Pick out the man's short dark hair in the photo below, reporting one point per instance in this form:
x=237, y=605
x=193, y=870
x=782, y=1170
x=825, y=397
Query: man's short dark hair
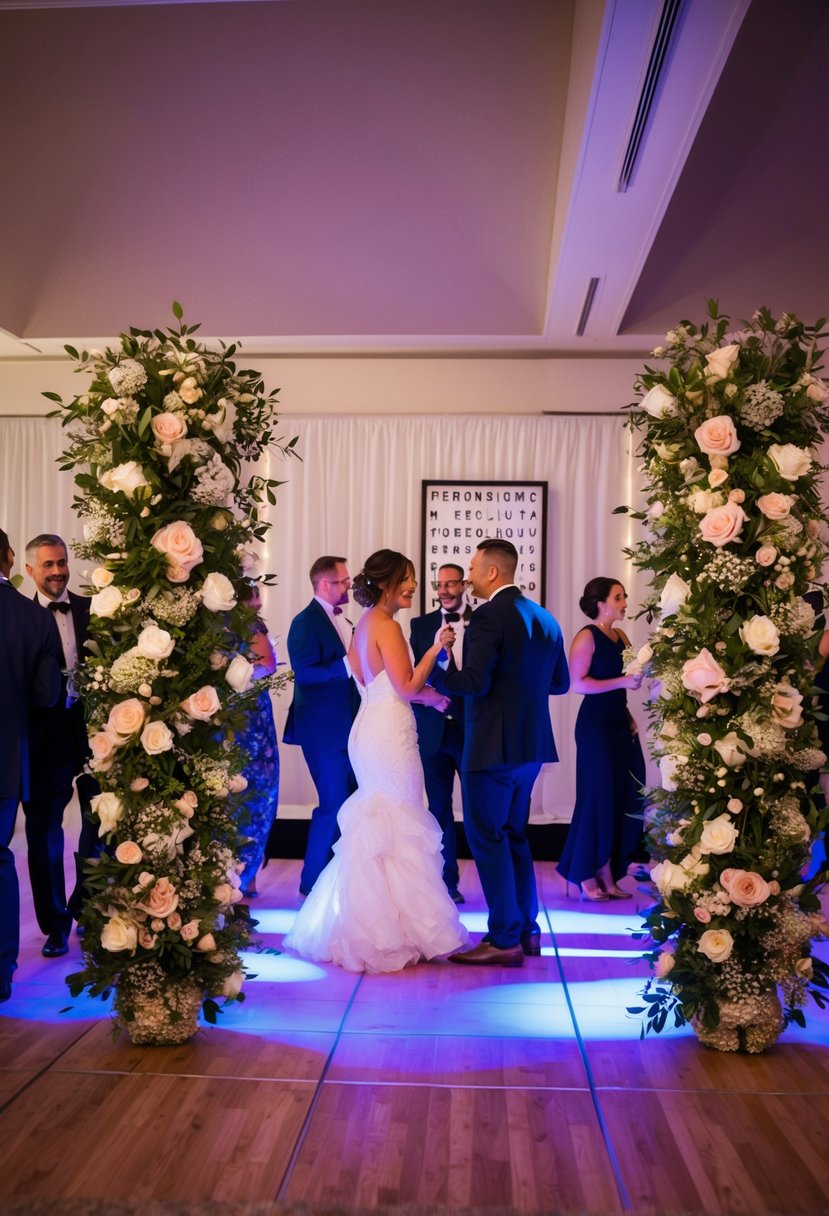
x=5, y=543
x=502, y=553
x=451, y=566
x=38, y=542
x=324, y=565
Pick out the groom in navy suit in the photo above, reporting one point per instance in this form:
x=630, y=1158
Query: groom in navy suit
x=29, y=675
x=513, y=661
x=325, y=704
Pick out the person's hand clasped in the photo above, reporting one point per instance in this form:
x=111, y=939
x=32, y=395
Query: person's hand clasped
x=636, y=679
x=446, y=638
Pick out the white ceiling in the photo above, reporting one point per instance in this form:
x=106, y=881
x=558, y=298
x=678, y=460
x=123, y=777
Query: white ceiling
x=432, y=176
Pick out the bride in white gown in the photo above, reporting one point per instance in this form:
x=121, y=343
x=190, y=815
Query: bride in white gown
x=381, y=903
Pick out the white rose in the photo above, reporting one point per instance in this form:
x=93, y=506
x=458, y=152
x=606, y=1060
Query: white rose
x=816, y=389
x=239, y=673
x=659, y=403
x=127, y=478
x=109, y=809
x=717, y=436
x=718, y=835
x=101, y=577
x=776, y=506
x=674, y=594
x=760, y=635
x=669, y=877
x=723, y=524
x=716, y=944
x=669, y=766
x=720, y=362
x=154, y=643
x=704, y=677
x=217, y=593
x=790, y=461
x=731, y=749
x=667, y=451
x=156, y=738
x=701, y=501
x=106, y=603
x=119, y=934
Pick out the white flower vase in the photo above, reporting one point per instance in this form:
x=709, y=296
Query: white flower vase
x=160, y=1019
x=750, y=1025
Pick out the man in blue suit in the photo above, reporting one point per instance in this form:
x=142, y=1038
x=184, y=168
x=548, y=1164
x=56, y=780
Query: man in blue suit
x=59, y=749
x=513, y=661
x=324, y=705
x=29, y=675
x=440, y=719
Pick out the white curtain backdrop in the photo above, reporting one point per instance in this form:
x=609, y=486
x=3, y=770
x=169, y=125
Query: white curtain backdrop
x=358, y=488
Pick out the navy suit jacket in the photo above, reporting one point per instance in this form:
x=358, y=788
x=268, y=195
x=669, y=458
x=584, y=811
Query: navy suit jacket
x=29, y=675
x=431, y=723
x=58, y=735
x=513, y=660
x=326, y=699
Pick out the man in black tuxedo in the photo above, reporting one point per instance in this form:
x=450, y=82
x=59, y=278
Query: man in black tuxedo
x=59, y=749
x=29, y=675
x=440, y=719
x=324, y=705
x=513, y=661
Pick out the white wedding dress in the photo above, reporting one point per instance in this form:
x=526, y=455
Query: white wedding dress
x=381, y=902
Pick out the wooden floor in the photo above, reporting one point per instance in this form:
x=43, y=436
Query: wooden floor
x=521, y=1089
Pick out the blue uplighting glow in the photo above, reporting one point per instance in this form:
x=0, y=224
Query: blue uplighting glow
x=280, y=968
x=603, y=923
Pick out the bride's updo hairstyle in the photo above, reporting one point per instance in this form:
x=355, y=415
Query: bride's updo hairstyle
x=595, y=593
x=385, y=570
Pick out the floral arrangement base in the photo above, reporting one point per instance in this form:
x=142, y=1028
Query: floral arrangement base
x=751, y=1025
x=161, y=1019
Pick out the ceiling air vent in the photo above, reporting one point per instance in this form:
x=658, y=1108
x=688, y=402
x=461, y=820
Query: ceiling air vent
x=656, y=65
x=589, y=297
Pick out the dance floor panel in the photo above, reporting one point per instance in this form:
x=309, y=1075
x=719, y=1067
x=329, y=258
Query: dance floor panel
x=521, y=1089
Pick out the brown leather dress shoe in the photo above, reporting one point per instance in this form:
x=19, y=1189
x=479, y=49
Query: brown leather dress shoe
x=487, y=955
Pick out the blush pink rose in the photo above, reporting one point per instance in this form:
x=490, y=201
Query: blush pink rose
x=702, y=915
x=128, y=853
x=703, y=676
x=168, y=428
x=775, y=506
x=190, y=931
x=717, y=436
x=126, y=719
x=202, y=705
x=766, y=555
x=180, y=545
x=103, y=745
x=745, y=888
x=161, y=899
x=146, y=939
x=722, y=525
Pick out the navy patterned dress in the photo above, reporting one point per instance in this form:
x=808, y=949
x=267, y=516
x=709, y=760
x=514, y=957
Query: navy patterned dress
x=610, y=773
x=262, y=773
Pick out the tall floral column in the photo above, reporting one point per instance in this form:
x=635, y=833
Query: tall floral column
x=170, y=523
x=729, y=434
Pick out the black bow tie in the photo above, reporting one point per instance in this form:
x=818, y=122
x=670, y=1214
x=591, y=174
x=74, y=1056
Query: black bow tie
x=337, y=611
x=62, y=606
x=451, y=617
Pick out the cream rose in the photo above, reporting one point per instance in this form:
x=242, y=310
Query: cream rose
x=126, y=719
x=154, y=643
x=718, y=835
x=160, y=899
x=102, y=745
x=776, y=506
x=669, y=766
x=760, y=634
x=716, y=478
x=101, y=577
x=703, y=677
x=717, y=436
x=119, y=934
x=217, y=593
x=745, y=888
x=731, y=749
x=106, y=603
x=701, y=501
x=109, y=808
x=189, y=390
x=206, y=943
x=716, y=944
x=674, y=594
x=168, y=428
x=127, y=478
x=816, y=389
x=790, y=461
x=786, y=707
x=179, y=543
x=203, y=704
x=232, y=984
x=669, y=877
x=239, y=673
x=156, y=738
x=129, y=853
x=659, y=403
x=766, y=555
x=722, y=525
x=720, y=362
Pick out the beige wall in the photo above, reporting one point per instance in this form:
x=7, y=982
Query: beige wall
x=401, y=385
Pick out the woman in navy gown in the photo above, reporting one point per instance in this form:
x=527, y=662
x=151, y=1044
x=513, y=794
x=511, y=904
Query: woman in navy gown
x=606, y=829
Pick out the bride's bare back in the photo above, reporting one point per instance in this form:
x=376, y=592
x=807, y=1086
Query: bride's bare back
x=378, y=645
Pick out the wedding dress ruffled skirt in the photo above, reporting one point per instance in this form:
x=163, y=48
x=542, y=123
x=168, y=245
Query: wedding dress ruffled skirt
x=381, y=903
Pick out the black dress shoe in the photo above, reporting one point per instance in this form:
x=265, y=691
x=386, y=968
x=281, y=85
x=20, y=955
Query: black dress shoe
x=5, y=988
x=531, y=944
x=487, y=955
x=55, y=945
x=455, y=896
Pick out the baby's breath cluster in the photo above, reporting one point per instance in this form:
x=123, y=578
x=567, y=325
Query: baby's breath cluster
x=159, y=440
x=729, y=433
